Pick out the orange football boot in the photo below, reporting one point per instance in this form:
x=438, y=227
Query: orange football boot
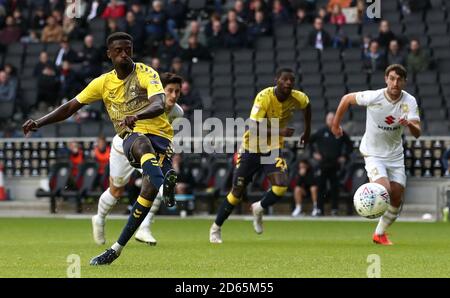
x=381, y=239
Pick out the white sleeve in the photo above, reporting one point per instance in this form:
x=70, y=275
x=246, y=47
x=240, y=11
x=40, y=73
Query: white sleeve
x=413, y=110
x=365, y=98
x=176, y=112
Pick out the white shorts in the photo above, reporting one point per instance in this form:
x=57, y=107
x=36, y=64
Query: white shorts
x=392, y=168
x=120, y=169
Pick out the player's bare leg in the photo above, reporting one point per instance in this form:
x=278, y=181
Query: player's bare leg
x=298, y=199
x=106, y=202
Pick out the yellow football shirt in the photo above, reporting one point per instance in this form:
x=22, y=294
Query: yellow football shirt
x=267, y=107
x=128, y=97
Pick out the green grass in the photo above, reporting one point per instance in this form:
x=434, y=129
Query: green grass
x=39, y=248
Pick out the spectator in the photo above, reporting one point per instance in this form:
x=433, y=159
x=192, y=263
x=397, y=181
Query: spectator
x=58, y=16
x=318, y=37
x=257, y=5
x=419, y=5
x=190, y=99
x=306, y=185
x=446, y=162
x=39, y=19
x=76, y=157
x=8, y=89
x=71, y=29
x=176, y=12
x=323, y=14
x=156, y=64
x=177, y=67
x=10, y=33
x=168, y=50
x=395, y=55
x=156, y=22
x=195, y=51
x=215, y=40
x=341, y=3
x=234, y=38
x=385, y=34
x=48, y=86
x=52, y=32
x=70, y=81
x=91, y=59
x=241, y=10
x=66, y=53
x=11, y=71
x=20, y=20
x=280, y=14
x=194, y=29
x=259, y=27
x=111, y=26
x=136, y=9
x=232, y=16
x=337, y=17
x=301, y=17
x=114, y=10
x=331, y=153
x=135, y=28
x=417, y=60
x=100, y=153
x=208, y=27
x=374, y=59
x=365, y=45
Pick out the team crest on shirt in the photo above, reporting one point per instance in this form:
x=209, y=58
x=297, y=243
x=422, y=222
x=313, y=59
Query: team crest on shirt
x=255, y=109
x=405, y=108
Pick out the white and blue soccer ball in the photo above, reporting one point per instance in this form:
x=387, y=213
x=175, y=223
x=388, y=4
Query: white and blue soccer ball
x=371, y=200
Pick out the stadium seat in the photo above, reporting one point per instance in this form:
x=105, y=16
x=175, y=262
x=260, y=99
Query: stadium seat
x=356, y=79
x=222, y=81
x=333, y=79
x=311, y=67
x=222, y=69
x=435, y=16
x=7, y=109
x=68, y=129
x=264, y=43
x=244, y=81
x=245, y=92
x=222, y=92
x=200, y=68
x=264, y=56
x=243, y=67
x=285, y=31
x=90, y=129
x=59, y=175
x=87, y=174
x=437, y=29
x=330, y=55
x=332, y=67
x=285, y=44
x=222, y=56
x=243, y=55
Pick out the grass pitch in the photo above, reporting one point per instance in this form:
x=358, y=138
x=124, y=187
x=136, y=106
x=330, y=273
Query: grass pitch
x=40, y=247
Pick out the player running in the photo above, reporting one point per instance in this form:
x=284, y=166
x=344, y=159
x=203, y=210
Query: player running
x=389, y=111
x=120, y=171
x=271, y=104
x=134, y=98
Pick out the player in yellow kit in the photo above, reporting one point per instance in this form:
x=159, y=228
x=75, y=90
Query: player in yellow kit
x=271, y=105
x=134, y=98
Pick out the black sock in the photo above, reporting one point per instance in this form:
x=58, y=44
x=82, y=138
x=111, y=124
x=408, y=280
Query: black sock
x=269, y=199
x=140, y=210
x=225, y=210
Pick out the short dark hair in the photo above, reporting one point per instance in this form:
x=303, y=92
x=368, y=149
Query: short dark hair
x=398, y=69
x=118, y=36
x=281, y=70
x=170, y=78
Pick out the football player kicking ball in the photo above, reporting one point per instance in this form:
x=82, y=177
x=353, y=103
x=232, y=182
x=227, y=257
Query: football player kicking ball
x=121, y=170
x=273, y=104
x=389, y=111
x=134, y=99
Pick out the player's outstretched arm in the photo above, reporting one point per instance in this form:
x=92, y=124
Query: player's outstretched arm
x=346, y=101
x=304, y=139
x=61, y=113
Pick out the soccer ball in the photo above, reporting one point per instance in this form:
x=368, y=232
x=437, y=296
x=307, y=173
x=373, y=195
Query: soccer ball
x=371, y=200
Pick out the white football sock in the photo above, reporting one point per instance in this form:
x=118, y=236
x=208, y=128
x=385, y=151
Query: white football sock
x=105, y=204
x=387, y=219
x=151, y=214
x=117, y=247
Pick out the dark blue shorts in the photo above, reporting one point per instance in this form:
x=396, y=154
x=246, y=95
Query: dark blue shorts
x=162, y=147
x=248, y=164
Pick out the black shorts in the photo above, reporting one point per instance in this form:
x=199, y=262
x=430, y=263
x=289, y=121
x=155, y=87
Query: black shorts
x=162, y=147
x=248, y=164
